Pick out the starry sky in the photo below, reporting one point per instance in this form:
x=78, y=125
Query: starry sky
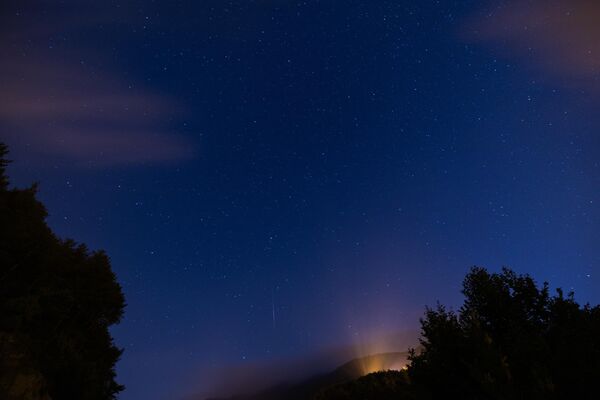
x=277, y=180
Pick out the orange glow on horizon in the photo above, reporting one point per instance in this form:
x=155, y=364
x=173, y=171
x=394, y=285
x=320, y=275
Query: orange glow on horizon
x=382, y=362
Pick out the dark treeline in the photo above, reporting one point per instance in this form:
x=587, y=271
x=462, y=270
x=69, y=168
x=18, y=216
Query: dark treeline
x=510, y=340
x=57, y=300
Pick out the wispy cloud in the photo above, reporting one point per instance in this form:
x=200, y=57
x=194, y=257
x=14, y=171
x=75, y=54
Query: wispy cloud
x=57, y=105
x=558, y=39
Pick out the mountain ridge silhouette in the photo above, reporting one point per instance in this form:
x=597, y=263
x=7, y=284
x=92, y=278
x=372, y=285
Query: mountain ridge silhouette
x=346, y=372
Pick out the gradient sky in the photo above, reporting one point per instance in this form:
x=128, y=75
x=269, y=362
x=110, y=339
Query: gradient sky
x=275, y=179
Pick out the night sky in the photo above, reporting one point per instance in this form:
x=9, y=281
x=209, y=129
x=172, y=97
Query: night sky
x=277, y=179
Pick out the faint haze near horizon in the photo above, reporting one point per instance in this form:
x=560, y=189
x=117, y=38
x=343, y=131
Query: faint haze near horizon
x=252, y=377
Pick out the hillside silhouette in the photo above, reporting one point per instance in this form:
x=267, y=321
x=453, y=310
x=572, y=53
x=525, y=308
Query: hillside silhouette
x=308, y=388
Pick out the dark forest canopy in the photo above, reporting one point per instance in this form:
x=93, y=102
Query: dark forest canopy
x=57, y=301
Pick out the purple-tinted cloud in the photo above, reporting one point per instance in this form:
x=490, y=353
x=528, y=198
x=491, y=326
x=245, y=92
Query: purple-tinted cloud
x=557, y=38
x=55, y=106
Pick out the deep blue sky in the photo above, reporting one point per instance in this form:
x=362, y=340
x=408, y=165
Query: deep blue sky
x=275, y=178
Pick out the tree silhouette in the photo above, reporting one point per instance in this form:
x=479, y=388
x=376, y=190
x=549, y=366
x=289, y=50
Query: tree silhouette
x=57, y=301
x=509, y=340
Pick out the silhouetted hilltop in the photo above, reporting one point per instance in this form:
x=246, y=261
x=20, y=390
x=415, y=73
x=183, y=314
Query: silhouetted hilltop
x=347, y=372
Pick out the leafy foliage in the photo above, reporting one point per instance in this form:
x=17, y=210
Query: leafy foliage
x=509, y=340
x=57, y=301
